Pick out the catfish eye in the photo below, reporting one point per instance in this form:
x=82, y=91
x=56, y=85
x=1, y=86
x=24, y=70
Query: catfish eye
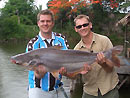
x=32, y=62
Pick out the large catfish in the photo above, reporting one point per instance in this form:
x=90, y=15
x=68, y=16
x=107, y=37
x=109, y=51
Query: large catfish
x=53, y=59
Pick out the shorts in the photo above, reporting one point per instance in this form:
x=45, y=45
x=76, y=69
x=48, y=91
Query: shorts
x=39, y=93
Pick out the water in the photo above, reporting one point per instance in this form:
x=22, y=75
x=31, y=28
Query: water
x=13, y=78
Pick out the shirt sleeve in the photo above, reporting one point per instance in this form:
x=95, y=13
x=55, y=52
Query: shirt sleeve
x=107, y=44
x=64, y=42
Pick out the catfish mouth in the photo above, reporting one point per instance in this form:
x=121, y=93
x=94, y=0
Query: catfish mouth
x=25, y=64
x=15, y=62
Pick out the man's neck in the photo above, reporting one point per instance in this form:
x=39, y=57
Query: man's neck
x=46, y=35
x=87, y=40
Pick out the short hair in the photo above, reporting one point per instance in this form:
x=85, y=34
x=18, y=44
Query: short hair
x=80, y=17
x=45, y=12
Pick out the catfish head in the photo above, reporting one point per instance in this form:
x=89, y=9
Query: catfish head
x=23, y=59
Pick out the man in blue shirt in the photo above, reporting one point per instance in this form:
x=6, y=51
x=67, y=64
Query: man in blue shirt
x=43, y=84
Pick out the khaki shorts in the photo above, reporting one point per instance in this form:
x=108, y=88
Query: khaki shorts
x=111, y=94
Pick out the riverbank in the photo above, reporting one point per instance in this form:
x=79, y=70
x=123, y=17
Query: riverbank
x=14, y=40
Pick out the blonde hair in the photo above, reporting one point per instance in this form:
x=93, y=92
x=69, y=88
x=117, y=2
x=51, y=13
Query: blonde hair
x=45, y=12
x=80, y=17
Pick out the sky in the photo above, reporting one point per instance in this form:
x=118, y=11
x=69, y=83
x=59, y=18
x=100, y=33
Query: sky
x=2, y=3
x=42, y=2
x=38, y=2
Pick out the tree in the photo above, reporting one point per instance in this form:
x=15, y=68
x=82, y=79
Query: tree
x=101, y=13
x=24, y=9
x=55, y=5
x=18, y=18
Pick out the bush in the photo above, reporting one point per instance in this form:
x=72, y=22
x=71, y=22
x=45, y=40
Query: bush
x=11, y=29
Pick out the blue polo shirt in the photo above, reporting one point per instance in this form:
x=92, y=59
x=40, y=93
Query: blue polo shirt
x=48, y=82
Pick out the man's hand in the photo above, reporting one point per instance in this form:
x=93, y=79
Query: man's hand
x=101, y=58
x=63, y=71
x=86, y=68
x=40, y=71
x=105, y=63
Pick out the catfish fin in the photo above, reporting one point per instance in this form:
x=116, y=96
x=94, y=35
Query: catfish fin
x=116, y=51
x=56, y=47
x=81, y=71
x=116, y=61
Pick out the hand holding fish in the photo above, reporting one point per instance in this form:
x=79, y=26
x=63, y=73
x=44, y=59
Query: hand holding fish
x=101, y=58
x=64, y=72
x=104, y=62
x=40, y=71
x=86, y=68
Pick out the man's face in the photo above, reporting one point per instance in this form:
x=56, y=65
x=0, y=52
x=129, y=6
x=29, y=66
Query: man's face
x=45, y=23
x=83, y=27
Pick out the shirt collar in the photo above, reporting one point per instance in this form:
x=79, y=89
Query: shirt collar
x=82, y=45
x=53, y=36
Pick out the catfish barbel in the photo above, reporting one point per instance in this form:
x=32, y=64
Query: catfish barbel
x=53, y=59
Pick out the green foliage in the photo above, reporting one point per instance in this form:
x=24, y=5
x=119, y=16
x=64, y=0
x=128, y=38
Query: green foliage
x=62, y=17
x=102, y=20
x=18, y=19
x=8, y=26
x=26, y=10
x=25, y=20
x=72, y=36
x=11, y=29
x=125, y=5
x=69, y=32
x=98, y=14
x=116, y=39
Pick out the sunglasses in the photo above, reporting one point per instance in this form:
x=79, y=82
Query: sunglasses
x=84, y=25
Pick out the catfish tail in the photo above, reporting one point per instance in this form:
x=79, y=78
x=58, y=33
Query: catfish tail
x=116, y=51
